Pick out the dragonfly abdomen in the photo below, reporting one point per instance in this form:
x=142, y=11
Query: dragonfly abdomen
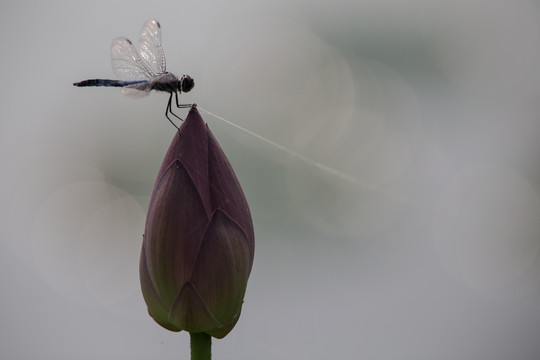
x=107, y=82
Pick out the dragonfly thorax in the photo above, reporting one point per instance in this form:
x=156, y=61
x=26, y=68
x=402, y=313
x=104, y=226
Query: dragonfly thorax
x=186, y=83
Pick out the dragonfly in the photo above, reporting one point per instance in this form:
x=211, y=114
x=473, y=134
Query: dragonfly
x=144, y=69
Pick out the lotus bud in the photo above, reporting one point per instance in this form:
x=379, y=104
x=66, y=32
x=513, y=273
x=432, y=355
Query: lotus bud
x=198, y=243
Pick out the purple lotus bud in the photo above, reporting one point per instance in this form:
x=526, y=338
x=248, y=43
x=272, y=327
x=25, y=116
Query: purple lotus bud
x=198, y=244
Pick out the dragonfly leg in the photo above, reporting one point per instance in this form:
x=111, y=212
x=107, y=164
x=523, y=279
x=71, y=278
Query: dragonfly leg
x=169, y=106
x=178, y=105
x=168, y=110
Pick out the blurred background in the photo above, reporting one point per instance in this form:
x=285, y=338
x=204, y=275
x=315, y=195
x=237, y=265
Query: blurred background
x=427, y=250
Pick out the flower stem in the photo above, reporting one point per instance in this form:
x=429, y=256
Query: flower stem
x=201, y=344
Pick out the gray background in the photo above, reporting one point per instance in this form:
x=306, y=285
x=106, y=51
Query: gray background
x=431, y=106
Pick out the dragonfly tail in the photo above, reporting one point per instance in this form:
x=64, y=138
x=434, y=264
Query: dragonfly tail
x=106, y=82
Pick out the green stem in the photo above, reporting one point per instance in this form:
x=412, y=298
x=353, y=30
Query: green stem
x=201, y=344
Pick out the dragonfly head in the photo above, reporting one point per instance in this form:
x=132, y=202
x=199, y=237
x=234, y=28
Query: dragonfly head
x=186, y=83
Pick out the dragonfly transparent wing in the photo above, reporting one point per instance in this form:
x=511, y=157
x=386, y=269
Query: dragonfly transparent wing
x=126, y=62
x=150, y=47
x=137, y=90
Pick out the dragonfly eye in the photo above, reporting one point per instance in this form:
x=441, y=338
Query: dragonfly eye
x=186, y=83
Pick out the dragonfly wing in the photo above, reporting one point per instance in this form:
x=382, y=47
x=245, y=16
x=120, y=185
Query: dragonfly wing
x=137, y=90
x=126, y=62
x=150, y=47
